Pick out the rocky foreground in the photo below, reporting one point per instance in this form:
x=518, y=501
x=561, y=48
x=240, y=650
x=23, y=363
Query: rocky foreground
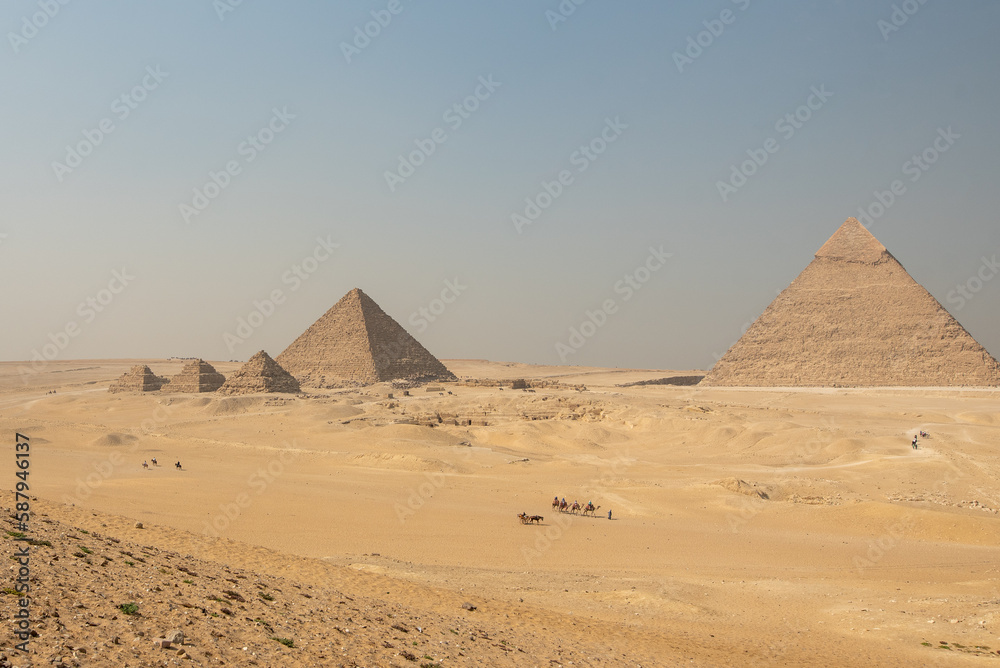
x=109, y=596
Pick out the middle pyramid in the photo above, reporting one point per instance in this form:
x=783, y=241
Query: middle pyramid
x=356, y=343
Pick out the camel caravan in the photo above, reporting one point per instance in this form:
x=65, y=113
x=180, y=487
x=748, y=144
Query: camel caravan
x=575, y=507
x=588, y=509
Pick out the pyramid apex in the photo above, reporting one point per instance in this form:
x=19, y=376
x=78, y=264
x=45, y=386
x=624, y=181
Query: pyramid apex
x=852, y=242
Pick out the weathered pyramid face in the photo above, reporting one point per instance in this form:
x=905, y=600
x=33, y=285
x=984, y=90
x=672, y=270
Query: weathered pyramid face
x=196, y=376
x=356, y=343
x=260, y=374
x=138, y=379
x=855, y=317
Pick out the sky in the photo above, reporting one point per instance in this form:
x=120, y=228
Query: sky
x=619, y=184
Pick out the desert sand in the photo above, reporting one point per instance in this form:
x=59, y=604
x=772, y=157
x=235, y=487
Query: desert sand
x=768, y=526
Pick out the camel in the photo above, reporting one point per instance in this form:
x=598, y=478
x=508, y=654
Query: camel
x=590, y=508
x=575, y=508
x=563, y=506
x=528, y=519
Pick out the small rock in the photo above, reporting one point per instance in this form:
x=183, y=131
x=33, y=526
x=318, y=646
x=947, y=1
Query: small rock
x=161, y=643
x=176, y=636
x=138, y=525
x=468, y=606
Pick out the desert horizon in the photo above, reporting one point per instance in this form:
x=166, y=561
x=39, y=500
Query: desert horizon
x=760, y=525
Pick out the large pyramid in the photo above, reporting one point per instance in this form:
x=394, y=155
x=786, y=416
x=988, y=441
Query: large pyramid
x=855, y=317
x=196, y=376
x=138, y=379
x=260, y=374
x=356, y=343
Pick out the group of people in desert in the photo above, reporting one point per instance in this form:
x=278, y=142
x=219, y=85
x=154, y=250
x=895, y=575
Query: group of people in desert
x=588, y=509
x=145, y=464
x=562, y=506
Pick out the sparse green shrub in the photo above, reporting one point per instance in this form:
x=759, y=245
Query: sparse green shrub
x=129, y=608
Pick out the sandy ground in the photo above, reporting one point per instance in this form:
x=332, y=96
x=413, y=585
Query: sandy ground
x=750, y=527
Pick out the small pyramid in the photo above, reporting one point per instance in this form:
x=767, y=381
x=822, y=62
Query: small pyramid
x=855, y=317
x=196, y=376
x=356, y=343
x=259, y=375
x=138, y=379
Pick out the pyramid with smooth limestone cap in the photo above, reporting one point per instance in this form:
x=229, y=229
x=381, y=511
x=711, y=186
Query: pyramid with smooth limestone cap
x=855, y=317
x=357, y=343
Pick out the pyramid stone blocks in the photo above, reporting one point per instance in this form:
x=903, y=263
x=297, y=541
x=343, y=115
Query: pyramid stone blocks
x=196, y=376
x=357, y=343
x=138, y=379
x=855, y=317
x=259, y=375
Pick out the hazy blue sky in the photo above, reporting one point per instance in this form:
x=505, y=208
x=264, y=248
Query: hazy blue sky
x=115, y=113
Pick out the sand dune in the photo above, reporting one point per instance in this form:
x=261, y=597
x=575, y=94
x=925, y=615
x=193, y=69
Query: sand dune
x=863, y=549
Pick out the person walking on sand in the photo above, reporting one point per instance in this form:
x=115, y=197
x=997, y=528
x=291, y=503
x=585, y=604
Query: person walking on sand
x=914, y=443
x=609, y=514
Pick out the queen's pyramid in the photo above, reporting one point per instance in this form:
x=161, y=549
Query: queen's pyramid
x=855, y=317
x=196, y=376
x=138, y=379
x=259, y=375
x=356, y=343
